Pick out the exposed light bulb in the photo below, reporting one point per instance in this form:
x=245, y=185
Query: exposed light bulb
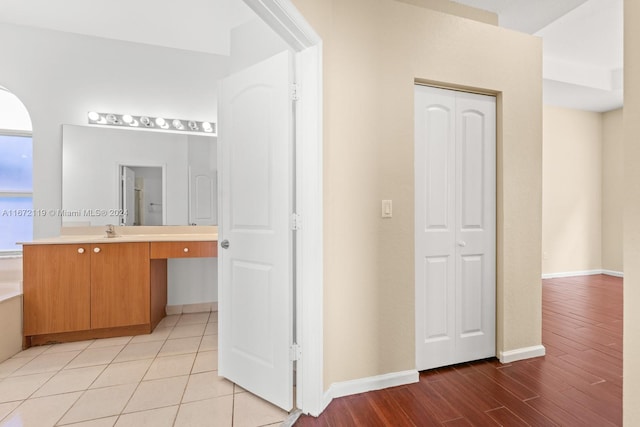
x=162, y=123
x=206, y=126
x=93, y=116
x=193, y=125
x=127, y=118
x=112, y=119
x=177, y=124
x=146, y=121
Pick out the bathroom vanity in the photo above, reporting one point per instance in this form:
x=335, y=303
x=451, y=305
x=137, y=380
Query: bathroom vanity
x=84, y=286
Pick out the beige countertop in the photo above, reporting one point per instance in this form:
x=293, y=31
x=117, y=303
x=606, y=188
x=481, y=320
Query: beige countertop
x=168, y=233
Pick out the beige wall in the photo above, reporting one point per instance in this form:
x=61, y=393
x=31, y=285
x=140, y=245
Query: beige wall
x=373, y=52
x=582, y=191
x=631, y=118
x=612, y=190
x=571, y=191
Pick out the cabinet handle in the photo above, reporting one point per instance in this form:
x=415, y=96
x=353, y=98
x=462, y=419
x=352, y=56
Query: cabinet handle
x=186, y=250
x=96, y=250
x=80, y=250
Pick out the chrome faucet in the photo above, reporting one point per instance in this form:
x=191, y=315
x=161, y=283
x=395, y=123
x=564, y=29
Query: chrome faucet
x=111, y=232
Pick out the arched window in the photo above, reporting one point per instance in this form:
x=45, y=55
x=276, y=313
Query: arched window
x=16, y=174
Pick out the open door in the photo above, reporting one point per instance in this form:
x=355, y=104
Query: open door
x=255, y=275
x=128, y=178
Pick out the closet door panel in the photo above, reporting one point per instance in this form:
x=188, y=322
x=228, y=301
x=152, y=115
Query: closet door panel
x=435, y=159
x=475, y=221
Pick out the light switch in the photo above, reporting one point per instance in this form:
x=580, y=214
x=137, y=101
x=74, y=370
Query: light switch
x=387, y=209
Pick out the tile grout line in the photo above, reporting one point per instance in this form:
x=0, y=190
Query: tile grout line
x=179, y=404
x=188, y=379
x=89, y=387
x=142, y=378
x=52, y=376
x=233, y=406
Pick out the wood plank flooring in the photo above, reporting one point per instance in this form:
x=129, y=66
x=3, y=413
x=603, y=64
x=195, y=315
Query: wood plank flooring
x=577, y=383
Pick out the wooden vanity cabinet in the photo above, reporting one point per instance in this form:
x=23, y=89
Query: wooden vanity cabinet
x=83, y=291
x=57, y=294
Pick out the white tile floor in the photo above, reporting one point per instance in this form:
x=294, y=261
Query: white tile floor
x=167, y=378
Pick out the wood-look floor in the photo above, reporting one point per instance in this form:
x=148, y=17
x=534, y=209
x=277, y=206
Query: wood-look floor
x=577, y=383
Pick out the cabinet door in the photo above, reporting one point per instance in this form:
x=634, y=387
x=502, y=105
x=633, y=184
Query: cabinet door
x=119, y=284
x=56, y=288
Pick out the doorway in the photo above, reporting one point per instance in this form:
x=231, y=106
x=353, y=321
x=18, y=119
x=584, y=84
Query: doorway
x=141, y=198
x=455, y=226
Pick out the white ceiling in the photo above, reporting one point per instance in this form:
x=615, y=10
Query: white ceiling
x=583, y=47
x=582, y=38
x=197, y=25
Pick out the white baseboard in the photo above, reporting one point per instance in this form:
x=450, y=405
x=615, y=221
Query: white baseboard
x=613, y=273
x=521, y=354
x=361, y=385
x=191, y=308
x=582, y=273
x=571, y=274
x=394, y=379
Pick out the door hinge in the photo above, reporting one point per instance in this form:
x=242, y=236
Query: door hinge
x=295, y=352
x=295, y=92
x=296, y=221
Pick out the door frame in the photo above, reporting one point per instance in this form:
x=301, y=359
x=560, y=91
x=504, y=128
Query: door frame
x=283, y=17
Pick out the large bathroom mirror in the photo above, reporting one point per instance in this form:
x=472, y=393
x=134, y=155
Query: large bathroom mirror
x=137, y=177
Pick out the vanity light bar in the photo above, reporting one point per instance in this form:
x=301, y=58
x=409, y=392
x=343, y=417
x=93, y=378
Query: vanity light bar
x=127, y=120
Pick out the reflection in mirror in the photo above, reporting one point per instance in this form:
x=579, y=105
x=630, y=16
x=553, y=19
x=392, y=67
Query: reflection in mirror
x=141, y=195
x=202, y=192
x=161, y=163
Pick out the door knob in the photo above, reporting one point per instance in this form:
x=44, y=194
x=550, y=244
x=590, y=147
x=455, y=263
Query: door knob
x=96, y=250
x=224, y=244
x=462, y=243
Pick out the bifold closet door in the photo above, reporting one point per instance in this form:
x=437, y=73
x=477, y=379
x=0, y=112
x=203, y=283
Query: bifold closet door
x=455, y=233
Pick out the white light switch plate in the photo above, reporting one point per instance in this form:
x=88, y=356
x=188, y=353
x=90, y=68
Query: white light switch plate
x=387, y=209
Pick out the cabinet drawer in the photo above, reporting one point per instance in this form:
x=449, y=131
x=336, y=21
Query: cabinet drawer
x=161, y=250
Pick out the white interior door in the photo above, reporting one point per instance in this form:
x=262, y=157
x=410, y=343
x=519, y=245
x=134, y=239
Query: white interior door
x=128, y=178
x=455, y=202
x=255, y=275
x=202, y=196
